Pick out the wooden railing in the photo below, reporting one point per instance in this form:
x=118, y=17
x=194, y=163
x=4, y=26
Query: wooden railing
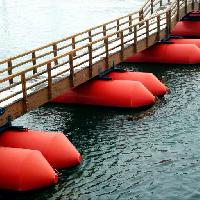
x=67, y=57
x=51, y=50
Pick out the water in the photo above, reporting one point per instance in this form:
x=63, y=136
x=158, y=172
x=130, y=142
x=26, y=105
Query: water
x=25, y=25
x=154, y=157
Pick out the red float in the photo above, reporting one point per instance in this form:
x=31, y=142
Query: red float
x=55, y=147
x=186, y=41
x=187, y=28
x=147, y=79
x=168, y=53
x=116, y=93
x=24, y=169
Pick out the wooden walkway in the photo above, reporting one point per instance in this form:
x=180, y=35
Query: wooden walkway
x=33, y=78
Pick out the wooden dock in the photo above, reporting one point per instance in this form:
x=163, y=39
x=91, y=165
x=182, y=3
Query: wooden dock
x=33, y=78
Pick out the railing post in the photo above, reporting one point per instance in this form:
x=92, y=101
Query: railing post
x=199, y=5
x=107, y=52
x=49, y=81
x=104, y=30
x=34, y=61
x=24, y=92
x=135, y=40
x=73, y=45
x=158, y=27
x=178, y=10
x=147, y=33
x=186, y=9
x=130, y=24
x=71, y=65
x=90, y=35
x=55, y=53
x=161, y=3
x=192, y=4
x=151, y=6
x=90, y=60
x=141, y=15
x=118, y=34
x=168, y=19
x=122, y=46
x=10, y=71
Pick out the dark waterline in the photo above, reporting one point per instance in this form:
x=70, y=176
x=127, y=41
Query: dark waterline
x=154, y=157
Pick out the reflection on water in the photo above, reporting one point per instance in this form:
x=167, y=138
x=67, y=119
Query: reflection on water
x=155, y=157
x=28, y=24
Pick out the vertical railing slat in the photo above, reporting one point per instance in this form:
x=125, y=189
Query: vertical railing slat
x=107, y=52
x=55, y=53
x=49, y=81
x=71, y=65
x=151, y=6
x=90, y=35
x=135, y=40
x=118, y=27
x=24, y=92
x=10, y=71
x=90, y=60
x=186, y=8
x=178, y=10
x=122, y=46
x=34, y=62
x=147, y=33
x=130, y=24
x=192, y=4
x=74, y=45
x=158, y=27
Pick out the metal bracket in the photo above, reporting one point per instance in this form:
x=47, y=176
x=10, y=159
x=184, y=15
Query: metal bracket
x=103, y=75
x=8, y=126
x=2, y=111
x=192, y=16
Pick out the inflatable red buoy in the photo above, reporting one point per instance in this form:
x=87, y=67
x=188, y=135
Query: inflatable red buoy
x=186, y=41
x=55, y=147
x=187, y=28
x=168, y=53
x=115, y=93
x=24, y=169
x=147, y=79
